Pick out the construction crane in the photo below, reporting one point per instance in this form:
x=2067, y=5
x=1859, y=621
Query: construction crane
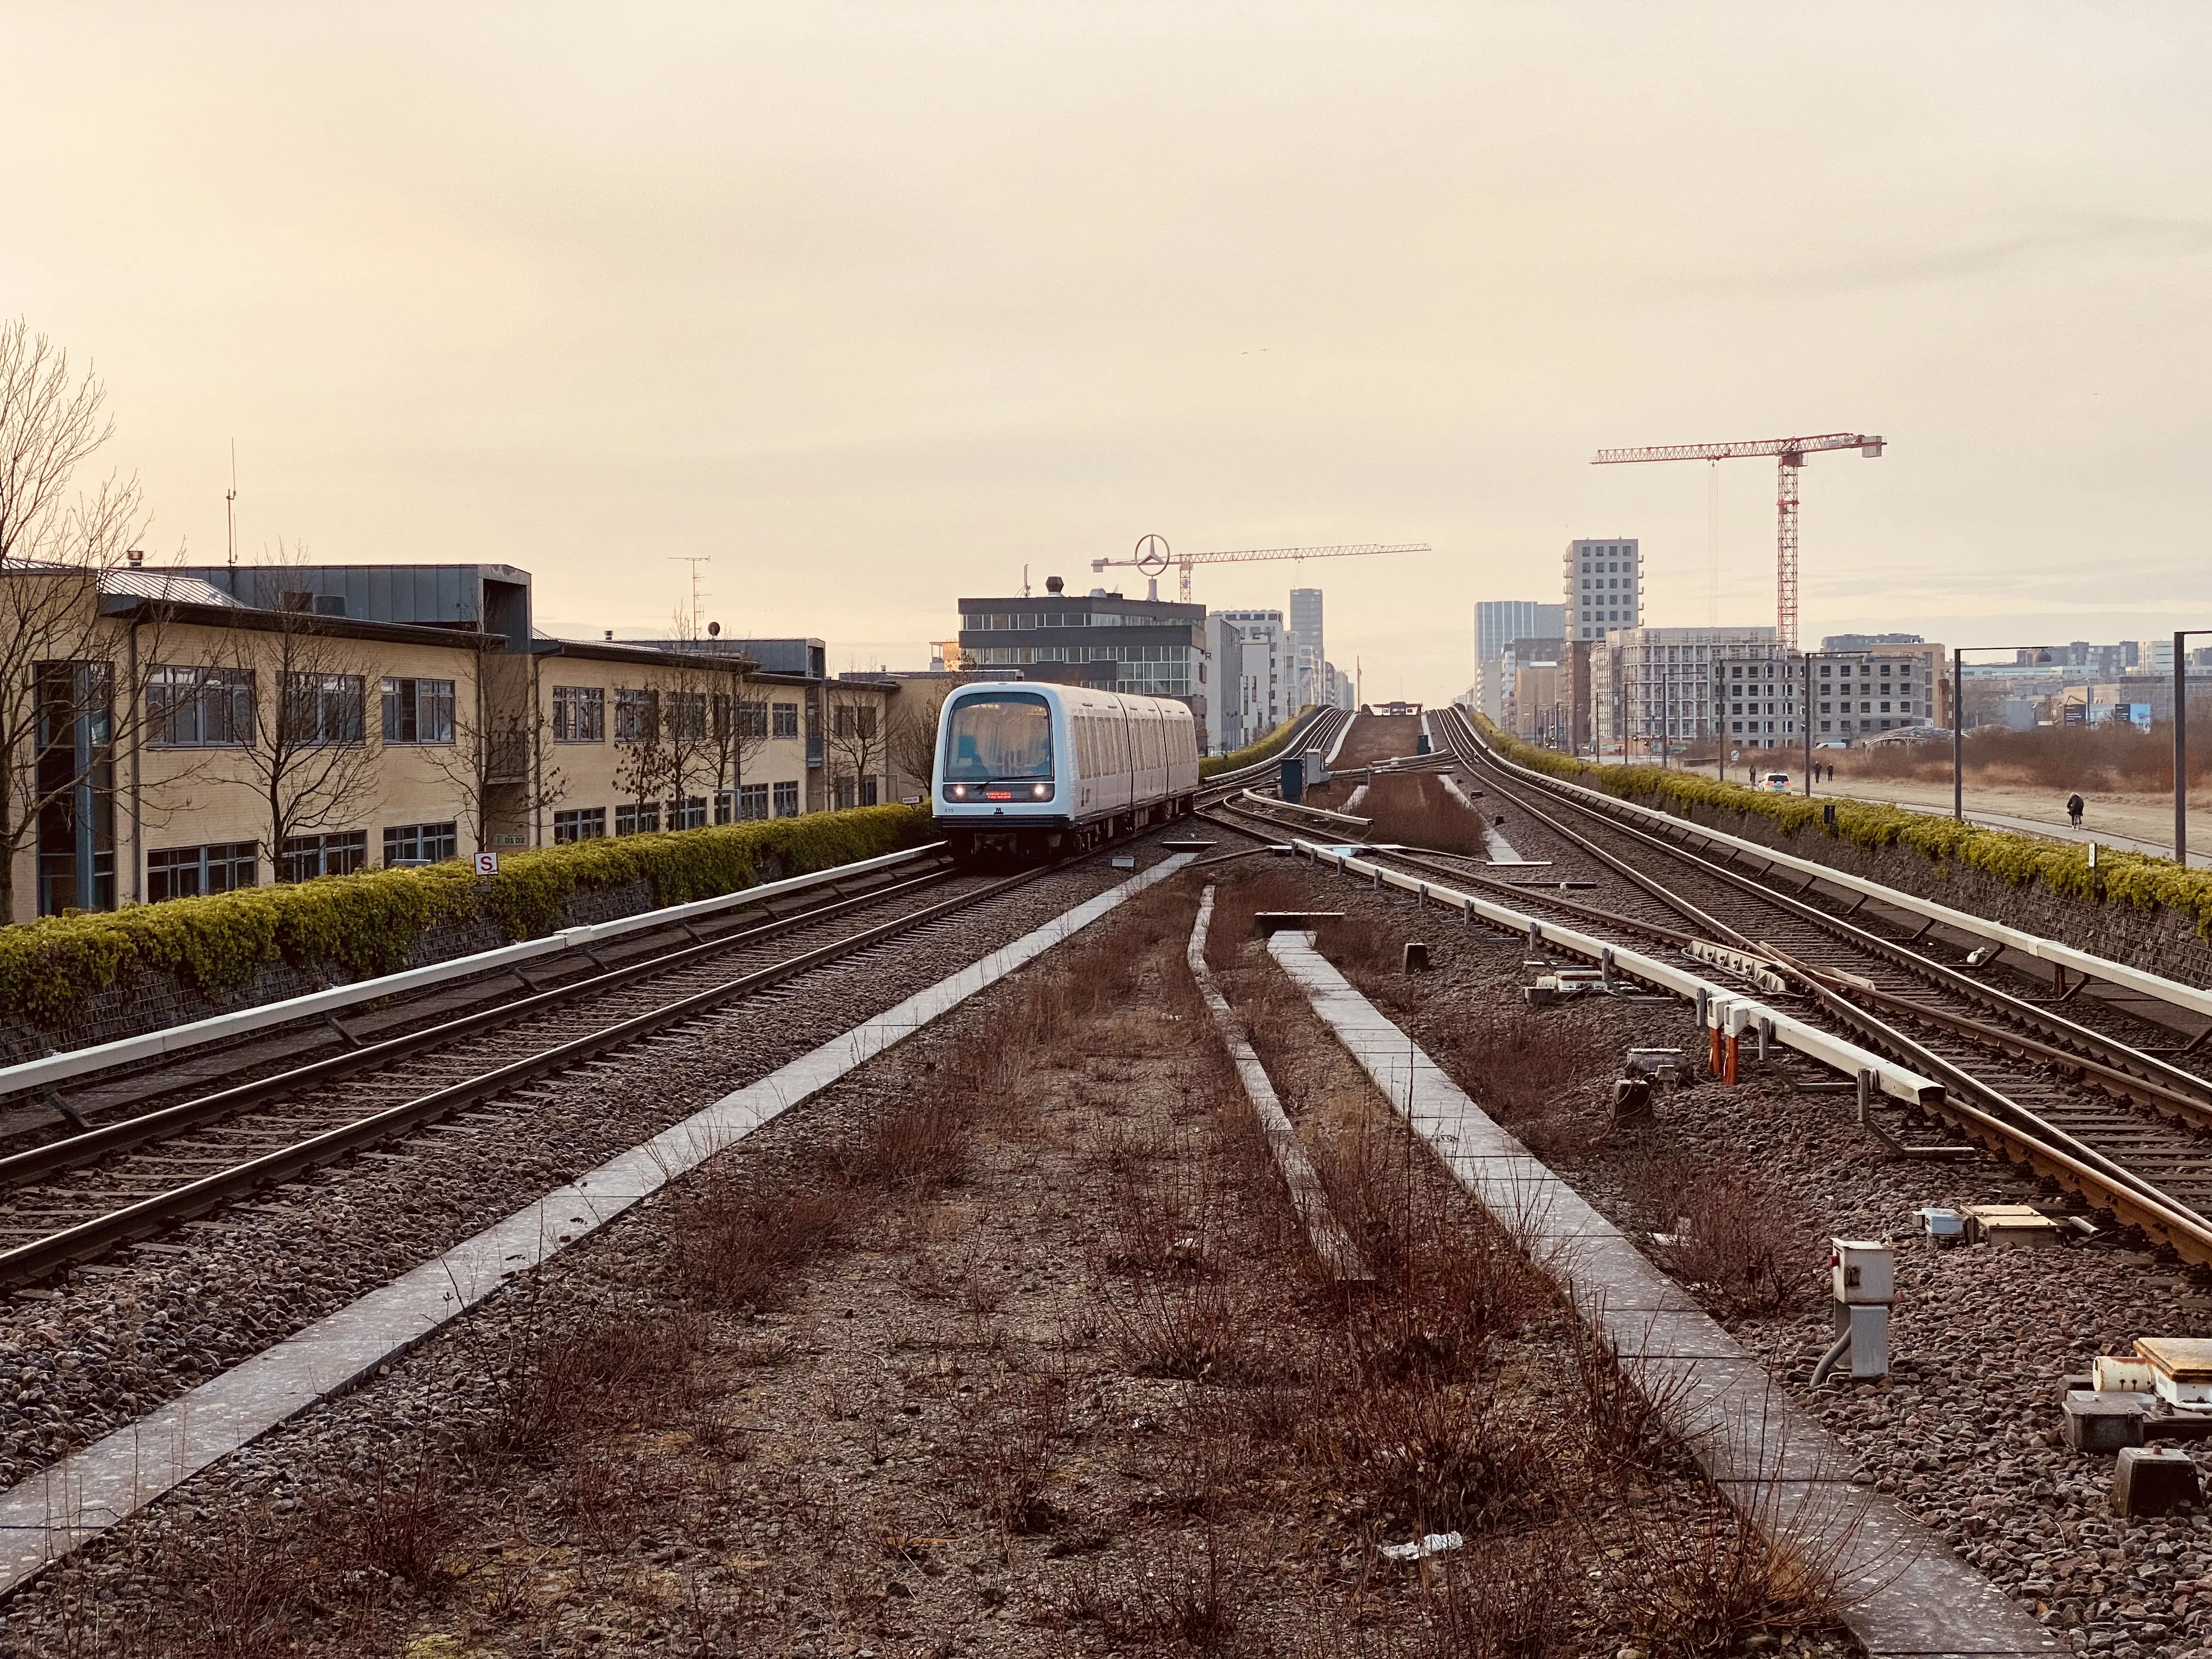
x=1789, y=453
x=1152, y=556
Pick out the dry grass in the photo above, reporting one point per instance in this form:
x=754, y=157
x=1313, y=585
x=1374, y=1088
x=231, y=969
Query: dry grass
x=1736, y=1233
x=1699, y=1581
x=1520, y=1064
x=1518, y=1601
x=1416, y=809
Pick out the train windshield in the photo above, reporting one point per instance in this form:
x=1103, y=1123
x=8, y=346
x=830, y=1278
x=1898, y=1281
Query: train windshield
x=1004, y=735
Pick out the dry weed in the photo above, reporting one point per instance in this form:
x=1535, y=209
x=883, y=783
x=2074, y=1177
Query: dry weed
x=1734, y=1231
x=1521, y=1600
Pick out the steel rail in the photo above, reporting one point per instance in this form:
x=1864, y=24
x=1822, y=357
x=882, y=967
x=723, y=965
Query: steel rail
x=2152, y=1080
x=2015, y=1130
x=44, y=1257
x=94, y=1145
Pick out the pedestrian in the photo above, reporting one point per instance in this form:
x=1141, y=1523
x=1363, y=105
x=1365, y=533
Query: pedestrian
x=2074, y=808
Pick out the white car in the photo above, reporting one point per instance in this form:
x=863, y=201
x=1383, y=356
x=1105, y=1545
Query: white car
x=1774, y=783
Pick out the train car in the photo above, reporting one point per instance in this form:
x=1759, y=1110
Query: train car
x=1040, y=771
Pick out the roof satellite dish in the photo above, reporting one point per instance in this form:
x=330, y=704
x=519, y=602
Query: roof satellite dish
x=1053, y=585
x=714, y=630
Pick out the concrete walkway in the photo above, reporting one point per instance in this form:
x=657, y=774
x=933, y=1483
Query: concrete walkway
x=1904, y=1593
x=53, y=1512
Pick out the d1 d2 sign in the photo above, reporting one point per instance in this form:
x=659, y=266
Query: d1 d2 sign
x=487, y=863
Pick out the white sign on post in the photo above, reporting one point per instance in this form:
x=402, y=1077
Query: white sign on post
x=487, y=863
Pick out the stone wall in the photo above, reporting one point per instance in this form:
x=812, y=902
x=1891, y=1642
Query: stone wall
x=2156, y=940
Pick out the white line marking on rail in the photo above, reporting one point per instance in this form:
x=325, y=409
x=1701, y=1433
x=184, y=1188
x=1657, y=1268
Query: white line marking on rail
x=53, y=1512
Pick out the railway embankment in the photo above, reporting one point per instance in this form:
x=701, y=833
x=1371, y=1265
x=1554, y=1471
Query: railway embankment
x=2145, y=911
x=70, y=982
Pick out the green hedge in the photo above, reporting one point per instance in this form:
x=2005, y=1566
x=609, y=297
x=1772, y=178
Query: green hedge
x=367, y=923
x=1251, y=754
x=2136, y=879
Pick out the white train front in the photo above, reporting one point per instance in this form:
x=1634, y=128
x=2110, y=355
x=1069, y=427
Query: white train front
x=1038, y=771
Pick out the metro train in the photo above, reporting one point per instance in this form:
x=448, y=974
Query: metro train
x=1032, y=771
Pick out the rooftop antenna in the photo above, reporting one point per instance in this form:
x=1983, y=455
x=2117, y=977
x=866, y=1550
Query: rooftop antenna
x=695, y=560
x=1025, y=581
x=229, y=504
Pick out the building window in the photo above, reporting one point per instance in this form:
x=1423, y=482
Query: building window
x=340, y=852
x=687, y=716
x=689, y=813
x=786, y=800
x=579, y=713
x=752, y=801
x=579, y=824
x=325, y=708
x=843, y=795
x=635, y=820
x=752, y=720
x=856, y=720
x=633, y=718
x=418, y=711
x=200, y=707
x=189, y=872
x=419, y=843
x=786, y=721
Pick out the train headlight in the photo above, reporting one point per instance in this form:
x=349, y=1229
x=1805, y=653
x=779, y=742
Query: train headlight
x=1041, y=791
x=957, y=791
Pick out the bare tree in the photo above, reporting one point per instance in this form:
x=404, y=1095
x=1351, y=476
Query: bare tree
x=911, y=743
x=304, y=745
x=71, y=690
x=854, y=741
x=641, y=760
x=735, y=727
x=489, y=764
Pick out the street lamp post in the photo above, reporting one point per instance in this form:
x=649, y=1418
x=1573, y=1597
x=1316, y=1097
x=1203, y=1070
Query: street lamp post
x=1959, y=717
x=2181, y=746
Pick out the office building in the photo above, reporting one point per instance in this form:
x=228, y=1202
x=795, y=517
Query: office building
x=437, y=721
x=1603, y=584
x=1251, y=651
x=1497, y=624
x=1148, y=648
x=1306, y=654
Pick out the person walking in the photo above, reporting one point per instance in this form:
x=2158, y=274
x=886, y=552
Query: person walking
x=2075, y=805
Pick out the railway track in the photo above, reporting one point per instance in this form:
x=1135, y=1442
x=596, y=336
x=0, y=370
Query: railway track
x=2074, y=1090
x=255, y=1122
x=2087, y=1091
x=78, y=1197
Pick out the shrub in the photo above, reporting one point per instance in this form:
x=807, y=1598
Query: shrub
x=2136, y=878
x=366, y=924
x=1251, y=754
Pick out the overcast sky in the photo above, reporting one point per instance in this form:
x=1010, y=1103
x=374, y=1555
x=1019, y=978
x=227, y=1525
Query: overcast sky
x=873, y=305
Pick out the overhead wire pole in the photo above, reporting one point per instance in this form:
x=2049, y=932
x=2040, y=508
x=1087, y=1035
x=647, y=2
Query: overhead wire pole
x=1790, y=455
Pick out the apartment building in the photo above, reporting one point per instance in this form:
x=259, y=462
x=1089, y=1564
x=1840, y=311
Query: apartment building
x=1885, y=688
x=1254, y=660
x=1603, y=585
x=1658, y=690
x=195, y=733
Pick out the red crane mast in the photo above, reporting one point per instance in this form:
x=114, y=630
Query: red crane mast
x=1790, y=455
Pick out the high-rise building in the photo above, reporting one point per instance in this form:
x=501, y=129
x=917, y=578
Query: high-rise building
x=1306, y=652
x=1497, y=624
x=1603, y=581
